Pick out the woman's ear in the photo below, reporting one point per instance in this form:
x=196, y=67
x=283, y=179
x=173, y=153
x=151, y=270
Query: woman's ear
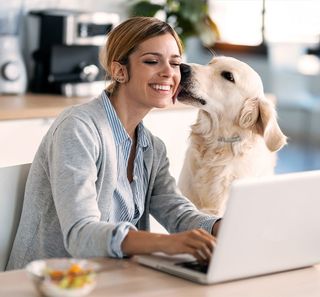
x=119, y=72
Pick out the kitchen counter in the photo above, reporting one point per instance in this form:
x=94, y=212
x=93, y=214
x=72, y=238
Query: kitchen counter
x=16, y=107
x=30, y=106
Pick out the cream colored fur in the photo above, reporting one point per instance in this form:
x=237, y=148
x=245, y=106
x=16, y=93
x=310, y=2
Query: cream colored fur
x=236, y=109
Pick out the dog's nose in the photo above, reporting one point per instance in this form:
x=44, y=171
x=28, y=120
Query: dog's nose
x=185, y=72
x=185, y=69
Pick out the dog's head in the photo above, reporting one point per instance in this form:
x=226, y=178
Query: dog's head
x=232, y=92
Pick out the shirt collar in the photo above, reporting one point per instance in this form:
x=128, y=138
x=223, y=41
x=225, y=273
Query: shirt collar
x=119, y=132
x=143, y=139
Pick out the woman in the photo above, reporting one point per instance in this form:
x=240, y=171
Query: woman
x=99, y=172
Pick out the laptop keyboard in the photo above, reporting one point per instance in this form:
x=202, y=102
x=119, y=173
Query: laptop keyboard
x=195, y=265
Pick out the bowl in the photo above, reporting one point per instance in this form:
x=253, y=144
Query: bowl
x=63, y=277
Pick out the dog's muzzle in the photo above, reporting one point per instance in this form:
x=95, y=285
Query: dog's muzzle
x=185, y=72
x=184, y=93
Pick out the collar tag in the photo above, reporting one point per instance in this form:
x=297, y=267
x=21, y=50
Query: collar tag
x=230, y=139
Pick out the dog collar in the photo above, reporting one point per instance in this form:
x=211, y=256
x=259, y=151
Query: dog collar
x=230, y=139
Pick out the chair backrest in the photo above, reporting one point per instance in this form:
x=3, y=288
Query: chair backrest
x=12, y=184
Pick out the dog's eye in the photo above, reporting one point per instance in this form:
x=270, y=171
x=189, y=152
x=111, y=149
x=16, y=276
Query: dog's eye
x=228, y=76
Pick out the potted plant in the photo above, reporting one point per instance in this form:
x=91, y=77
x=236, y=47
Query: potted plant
x=188, y=17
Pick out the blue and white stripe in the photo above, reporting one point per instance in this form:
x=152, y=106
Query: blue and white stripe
x=128, y=200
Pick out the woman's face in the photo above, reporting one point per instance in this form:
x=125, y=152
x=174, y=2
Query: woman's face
x=154, y=72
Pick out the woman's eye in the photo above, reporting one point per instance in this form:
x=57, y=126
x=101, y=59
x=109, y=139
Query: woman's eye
x=151, y=62
x=228, y=76
x=175, y=64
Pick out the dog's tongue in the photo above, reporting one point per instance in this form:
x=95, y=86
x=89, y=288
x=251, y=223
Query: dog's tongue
x=175, y=95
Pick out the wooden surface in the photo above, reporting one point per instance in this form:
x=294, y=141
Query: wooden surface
x=29, y=106
x=126, y=278
x=35, y=106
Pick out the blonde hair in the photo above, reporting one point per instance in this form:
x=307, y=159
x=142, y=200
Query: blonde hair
x=126, y=37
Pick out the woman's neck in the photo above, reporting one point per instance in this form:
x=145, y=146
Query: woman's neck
x=129, y=116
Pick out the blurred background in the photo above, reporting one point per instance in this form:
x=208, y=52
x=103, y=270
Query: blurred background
x=280, y=39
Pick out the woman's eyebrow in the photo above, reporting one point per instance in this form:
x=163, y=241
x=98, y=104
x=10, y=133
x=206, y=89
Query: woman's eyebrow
x=159, y=55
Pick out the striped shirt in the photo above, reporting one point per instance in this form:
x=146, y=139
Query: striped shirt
x=128, y=198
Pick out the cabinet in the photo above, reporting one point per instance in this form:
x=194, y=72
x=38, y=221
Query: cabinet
x=173, y=127
x=19, y=140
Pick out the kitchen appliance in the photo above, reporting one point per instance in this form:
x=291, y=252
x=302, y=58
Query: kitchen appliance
x=67, y=58
x=13, y=76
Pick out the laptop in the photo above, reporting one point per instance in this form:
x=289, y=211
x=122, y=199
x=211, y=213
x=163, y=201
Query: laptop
x=271, y=224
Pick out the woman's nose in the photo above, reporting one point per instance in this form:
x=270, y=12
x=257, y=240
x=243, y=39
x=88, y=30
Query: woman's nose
x=166, y=70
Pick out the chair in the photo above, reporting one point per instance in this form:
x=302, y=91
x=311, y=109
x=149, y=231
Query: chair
x=12, y=184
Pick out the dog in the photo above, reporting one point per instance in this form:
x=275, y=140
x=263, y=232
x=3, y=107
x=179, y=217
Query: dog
x=236, y=134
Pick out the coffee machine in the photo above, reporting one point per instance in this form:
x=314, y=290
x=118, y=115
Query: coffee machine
x=67, y=58
x=13, y=75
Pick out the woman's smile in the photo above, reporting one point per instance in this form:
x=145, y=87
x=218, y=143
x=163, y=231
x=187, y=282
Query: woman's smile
x=161, y=88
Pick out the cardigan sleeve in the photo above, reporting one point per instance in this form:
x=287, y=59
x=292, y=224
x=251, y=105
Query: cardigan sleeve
x=73, y=173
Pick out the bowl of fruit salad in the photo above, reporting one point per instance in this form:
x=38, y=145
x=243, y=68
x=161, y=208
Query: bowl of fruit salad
x=63, y=277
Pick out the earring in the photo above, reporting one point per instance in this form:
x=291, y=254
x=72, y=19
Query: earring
x=120, y=79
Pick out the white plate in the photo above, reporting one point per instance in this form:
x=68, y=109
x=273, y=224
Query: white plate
x=36, y=270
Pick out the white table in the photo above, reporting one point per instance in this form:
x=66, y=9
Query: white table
x=127, y=278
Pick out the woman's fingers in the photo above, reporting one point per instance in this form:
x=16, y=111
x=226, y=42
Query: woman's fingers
x=201, y=238
x=197, y=242
x=200, y=244
x=201, y=250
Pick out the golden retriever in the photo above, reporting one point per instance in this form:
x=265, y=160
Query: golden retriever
x=236, y=133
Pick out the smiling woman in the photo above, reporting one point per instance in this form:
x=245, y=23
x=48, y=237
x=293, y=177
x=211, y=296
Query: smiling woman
x=153, y=76
x=99, y=173
x=145, y=70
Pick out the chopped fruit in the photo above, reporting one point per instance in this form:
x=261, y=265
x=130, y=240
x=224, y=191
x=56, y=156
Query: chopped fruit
x=74, y=277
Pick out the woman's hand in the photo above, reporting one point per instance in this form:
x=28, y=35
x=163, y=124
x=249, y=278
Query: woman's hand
x=197, y=242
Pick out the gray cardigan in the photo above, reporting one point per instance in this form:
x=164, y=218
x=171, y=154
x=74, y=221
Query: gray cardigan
x=69, y=191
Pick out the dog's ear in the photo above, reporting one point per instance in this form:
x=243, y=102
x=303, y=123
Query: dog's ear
x=249, y=113
x=267, y=125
